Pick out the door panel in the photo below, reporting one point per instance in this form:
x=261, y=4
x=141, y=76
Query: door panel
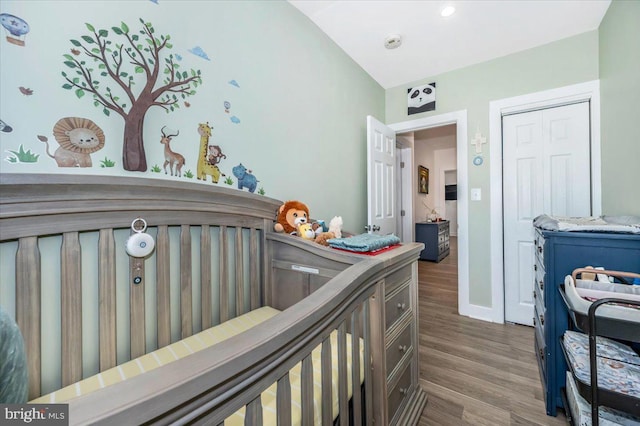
x=381, y=161
x=546, y=169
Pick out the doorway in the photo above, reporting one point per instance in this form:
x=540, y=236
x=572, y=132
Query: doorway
x=434, y=149
x=459, y=118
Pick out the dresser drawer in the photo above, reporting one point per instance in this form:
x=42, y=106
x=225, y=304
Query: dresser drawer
x=538, y=297
x=398, y=302
x=398, y=393
x=541, y=350
x=399, y=346
x=539, y=246
x=539, y=273
x=396, y=278
x=538, y=318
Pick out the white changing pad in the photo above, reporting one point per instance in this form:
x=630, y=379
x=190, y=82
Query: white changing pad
x=576, y=291
x=623, y=224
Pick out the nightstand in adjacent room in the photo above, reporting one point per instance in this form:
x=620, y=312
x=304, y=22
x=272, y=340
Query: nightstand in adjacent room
x=435, y=237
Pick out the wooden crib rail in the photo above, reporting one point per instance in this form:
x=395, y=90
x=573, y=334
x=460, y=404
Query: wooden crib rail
x=42, y=203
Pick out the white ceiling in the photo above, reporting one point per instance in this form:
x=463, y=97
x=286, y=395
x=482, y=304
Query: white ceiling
x=479, y=30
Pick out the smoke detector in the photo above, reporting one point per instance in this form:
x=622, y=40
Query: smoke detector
x=393, y=41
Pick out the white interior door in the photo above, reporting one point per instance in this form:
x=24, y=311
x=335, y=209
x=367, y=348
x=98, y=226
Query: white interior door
x=546, y=169
x=381, y=188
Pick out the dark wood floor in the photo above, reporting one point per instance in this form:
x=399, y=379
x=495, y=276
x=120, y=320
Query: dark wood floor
x=475, y=372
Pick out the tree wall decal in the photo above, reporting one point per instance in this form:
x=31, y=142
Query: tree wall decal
x=134, y=62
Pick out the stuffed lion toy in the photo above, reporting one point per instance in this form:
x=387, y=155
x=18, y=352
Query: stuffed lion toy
x=290, y=215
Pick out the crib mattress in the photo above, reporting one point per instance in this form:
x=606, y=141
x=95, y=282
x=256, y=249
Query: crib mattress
x=162, y=356
x=581, y=410
x=618, y=365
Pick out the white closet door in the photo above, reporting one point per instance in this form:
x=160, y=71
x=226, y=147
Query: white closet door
x=546, y=169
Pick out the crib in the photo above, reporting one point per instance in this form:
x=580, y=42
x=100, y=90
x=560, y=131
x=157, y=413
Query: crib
x=260, y=327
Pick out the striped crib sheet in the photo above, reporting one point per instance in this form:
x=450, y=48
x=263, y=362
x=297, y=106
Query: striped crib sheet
x=160, y=357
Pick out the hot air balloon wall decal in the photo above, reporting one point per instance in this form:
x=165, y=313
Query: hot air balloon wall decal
x=110, y=70
x=15, y=27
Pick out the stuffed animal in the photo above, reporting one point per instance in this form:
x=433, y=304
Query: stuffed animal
x=323, y=237
x=335, y=231
x=335, y=226
x=290, y=214
x=305, y=231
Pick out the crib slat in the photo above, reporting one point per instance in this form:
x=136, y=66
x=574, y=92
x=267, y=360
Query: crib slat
x=368, y=388
x=283, y=401
x=326, y=373
x=28, y=280
x=163, y=295
x=306, y=391
x=355, y=366
x=254, y=271
x=107, y=305
x=343, y=396
x=266, y=285
x=205, y=277
x=136, y=307
x=224, y=276
x=239, y=273
x=71, y=307
x=185, y=281
x=253, y=416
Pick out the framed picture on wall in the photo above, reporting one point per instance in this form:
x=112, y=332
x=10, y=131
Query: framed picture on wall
x=421, y=98
x=423, y=180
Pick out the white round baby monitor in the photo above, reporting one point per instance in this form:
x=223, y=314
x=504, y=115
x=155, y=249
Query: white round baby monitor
x=140, y=244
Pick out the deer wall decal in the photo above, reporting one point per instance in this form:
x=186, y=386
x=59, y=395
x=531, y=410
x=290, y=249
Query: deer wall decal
x=171, y=157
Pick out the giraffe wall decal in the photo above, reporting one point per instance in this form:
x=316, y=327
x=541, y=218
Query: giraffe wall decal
x=204, y=167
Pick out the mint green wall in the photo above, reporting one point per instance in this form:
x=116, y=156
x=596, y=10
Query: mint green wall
x=302, y=102
x=620, y=108
x=569, y=61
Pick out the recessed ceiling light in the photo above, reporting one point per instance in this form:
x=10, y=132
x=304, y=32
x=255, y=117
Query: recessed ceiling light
x=448, y=11
x=392, y=41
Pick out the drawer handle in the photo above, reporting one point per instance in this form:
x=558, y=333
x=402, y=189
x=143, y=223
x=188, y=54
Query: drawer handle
x=541, y=285
x=542, y=319
x=534, y=321
x=541, y=352
x=402, y=348
x=402, y=306
x=539, y=249
x=403, y=391
x=535, y=267
x=535, y=296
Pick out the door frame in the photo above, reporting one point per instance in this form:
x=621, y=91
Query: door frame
x=404, y=197
x=588, y=91
x=459, y=118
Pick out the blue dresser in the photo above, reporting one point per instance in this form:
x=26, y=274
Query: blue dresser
x=557, y=255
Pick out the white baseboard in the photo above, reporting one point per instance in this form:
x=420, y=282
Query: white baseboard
x=478, y=312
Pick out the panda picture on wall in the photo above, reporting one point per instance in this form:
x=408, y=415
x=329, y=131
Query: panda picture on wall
x=421, y=98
